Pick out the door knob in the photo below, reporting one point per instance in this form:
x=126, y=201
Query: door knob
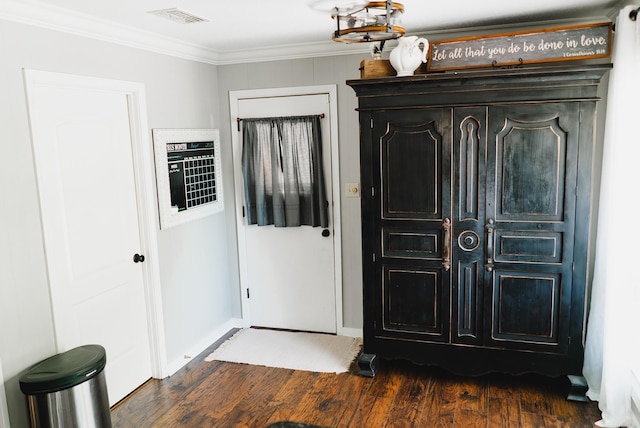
x=325, y=232
x=138, y=258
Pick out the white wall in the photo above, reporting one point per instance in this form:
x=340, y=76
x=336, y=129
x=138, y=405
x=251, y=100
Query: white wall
x=196, y=283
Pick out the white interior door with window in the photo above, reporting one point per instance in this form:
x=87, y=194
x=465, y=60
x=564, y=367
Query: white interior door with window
x=82, y=141
x=290, y=276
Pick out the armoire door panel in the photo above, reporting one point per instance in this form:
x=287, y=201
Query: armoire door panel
x=413, y=160
x=469, y=172
x=411, y=169
x=531, y=198
x=531, y=158
x=413, y=301
x=412, y=150
x=468, y=302
x=411, y=244
x=526, y=309
x=528, y=246
x=468, y=158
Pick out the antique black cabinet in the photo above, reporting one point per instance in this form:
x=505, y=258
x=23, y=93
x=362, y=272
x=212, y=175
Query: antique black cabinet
x=476, y=218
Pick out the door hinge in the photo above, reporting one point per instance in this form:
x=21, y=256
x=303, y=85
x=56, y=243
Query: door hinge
x=569, y=340
x=373, y=255
x=248, y=297
x=243, y=214
x=375, y=325
x=373, y=192
x=371, y=123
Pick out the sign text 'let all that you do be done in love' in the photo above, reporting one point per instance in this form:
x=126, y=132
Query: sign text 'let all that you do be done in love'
x=559, y=44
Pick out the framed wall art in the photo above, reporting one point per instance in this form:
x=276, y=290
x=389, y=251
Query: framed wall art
x=570, y=43
x=188, y=174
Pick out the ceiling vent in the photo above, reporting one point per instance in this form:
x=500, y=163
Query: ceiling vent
x=178, y=15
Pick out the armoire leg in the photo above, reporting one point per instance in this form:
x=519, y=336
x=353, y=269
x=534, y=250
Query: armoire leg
x=578, y=389
x=367, y=364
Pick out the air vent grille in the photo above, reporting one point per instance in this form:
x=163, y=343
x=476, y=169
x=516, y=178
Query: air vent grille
x=178, y=15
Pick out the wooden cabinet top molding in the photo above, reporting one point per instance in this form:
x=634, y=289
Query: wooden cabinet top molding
x=563, y=83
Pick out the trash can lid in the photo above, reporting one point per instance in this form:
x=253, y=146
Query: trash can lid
x=64, y=370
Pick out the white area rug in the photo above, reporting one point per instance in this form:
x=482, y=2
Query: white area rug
x=315, y=352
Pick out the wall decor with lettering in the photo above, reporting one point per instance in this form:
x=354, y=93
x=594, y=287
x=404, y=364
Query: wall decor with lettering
x=577, y=42
x=188, y=174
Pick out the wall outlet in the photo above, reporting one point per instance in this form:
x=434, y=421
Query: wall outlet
x=352, y=190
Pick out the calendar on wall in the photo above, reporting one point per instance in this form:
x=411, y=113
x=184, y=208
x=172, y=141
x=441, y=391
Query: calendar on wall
x=188, y=174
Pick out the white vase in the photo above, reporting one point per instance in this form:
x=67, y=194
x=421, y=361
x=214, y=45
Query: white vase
x=408, y=55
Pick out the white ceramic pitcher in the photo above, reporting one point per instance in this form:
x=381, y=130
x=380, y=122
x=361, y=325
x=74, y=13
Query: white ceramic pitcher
x=407, y=56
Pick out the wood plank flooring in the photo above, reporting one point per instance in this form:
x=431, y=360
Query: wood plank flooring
x=218, y=394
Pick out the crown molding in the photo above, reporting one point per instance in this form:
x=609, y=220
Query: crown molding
x=292, y=51
x=64, y=20
x=71, y=22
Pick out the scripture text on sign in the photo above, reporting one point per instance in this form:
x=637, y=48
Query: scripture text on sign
x=535, y=46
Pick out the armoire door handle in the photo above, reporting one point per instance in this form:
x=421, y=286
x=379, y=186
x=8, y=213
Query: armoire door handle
x=489, y=227
x=446, y=246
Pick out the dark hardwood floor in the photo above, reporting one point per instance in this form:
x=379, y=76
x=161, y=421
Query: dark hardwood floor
x=217, y=394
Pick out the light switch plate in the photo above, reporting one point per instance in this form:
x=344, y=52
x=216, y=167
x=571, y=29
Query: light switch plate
x=352, y=190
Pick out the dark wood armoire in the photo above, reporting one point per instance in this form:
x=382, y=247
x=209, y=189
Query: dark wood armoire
x=476, y=191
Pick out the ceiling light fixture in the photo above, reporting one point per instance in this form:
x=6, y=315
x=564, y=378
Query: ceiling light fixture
x=373, y=22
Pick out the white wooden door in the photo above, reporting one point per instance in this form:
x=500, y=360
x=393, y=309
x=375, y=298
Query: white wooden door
x=82, y=147
x=289, y=272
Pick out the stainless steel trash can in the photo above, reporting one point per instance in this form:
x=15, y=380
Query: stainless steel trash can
x=69, y=390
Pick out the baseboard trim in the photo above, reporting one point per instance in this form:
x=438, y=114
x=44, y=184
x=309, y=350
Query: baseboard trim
x=350, y=332
x=198, y=348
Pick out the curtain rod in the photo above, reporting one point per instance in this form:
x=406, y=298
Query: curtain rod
x=239, y=119
x=633, y=15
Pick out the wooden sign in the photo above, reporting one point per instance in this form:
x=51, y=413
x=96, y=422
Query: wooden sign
x=577, y=42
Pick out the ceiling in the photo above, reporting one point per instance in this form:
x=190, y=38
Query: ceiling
x=242, y=30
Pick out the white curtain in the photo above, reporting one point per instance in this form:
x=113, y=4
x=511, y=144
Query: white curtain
x=613, y=333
